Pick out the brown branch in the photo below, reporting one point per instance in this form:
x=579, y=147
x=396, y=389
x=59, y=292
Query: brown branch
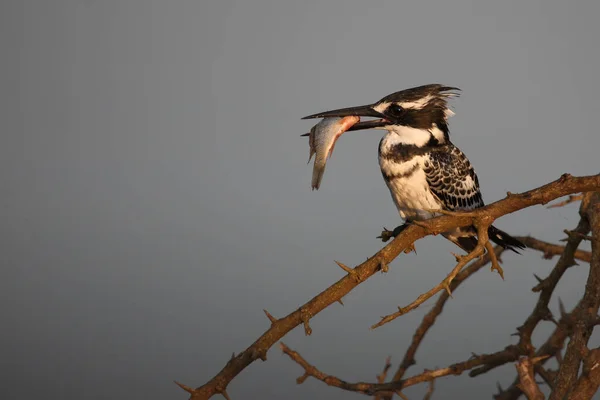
x=527, y=379
x=587, y=385
x=483, y=241
x=587, y=310
x=429, y=391
x=564, y=327
x=583, y=237
x=555, y=341
x=510, y=353
x=547, y=286
x=550, y=250
x=541, y=311
x=562, y=187
x=547, y=375
x=571, y=199
x=551, y=347
x=381, y=377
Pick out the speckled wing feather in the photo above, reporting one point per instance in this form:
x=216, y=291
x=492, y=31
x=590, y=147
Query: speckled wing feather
x=451, y=179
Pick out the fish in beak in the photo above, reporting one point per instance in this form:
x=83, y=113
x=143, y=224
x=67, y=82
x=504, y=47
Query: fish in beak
x=321, y=140
x=322, y=136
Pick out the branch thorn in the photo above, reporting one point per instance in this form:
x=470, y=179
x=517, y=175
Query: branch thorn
x=401, y=395
x=349, y=270
x=565, y=176
x=447, y=287
x=271, y=318
x=561, y=308
x=500, y=390
x=185, y=387
x=262, y=354
x=304, y=317
x=383, y=266
x=302, y=378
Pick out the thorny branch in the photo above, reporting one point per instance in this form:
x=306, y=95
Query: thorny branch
x=381, y=377
x=571, y=199
x=550, y=250
x=370, y=388
x=430, y=318
x=564, y=327
x=483, y=241
x=588, y=383
x=551, y=347
x=566, y=185
x=587, y=310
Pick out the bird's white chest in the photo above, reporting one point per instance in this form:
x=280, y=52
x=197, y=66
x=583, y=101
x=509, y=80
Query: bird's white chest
x=409, y=188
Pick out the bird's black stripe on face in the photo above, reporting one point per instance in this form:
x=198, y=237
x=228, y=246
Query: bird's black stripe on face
x=434, y=112
x=423, y=118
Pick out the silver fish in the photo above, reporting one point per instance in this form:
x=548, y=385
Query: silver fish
x=321, y=140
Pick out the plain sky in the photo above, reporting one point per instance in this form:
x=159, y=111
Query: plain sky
x=156, y=197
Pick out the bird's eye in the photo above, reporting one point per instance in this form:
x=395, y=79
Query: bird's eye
x=395, y=110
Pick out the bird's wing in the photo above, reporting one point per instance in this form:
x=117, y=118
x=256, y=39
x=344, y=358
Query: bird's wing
x=452, y=179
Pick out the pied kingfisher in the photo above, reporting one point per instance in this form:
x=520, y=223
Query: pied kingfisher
x=423, y=170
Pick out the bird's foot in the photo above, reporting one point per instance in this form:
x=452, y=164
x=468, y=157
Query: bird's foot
x=387, y=234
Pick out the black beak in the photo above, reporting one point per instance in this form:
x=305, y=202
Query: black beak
x=360, y=111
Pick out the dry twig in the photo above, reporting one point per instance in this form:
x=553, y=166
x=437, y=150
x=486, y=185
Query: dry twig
x=550, y=250
x=483, y=241
x=510, y=353
x=429, y=391
x=571, y=199
x=381, y=377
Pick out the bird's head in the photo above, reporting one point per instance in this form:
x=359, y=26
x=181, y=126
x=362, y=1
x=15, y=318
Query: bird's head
x=419, y=116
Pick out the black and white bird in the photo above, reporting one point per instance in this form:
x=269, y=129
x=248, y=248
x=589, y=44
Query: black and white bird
x=423, y=170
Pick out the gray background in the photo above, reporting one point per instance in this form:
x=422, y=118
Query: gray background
x=156, y=197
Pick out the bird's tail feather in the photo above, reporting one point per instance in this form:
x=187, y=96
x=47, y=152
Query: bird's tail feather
x=465, y=239
x=505, y=240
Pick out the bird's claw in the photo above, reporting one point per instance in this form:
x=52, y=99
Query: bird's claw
x=385, y=235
